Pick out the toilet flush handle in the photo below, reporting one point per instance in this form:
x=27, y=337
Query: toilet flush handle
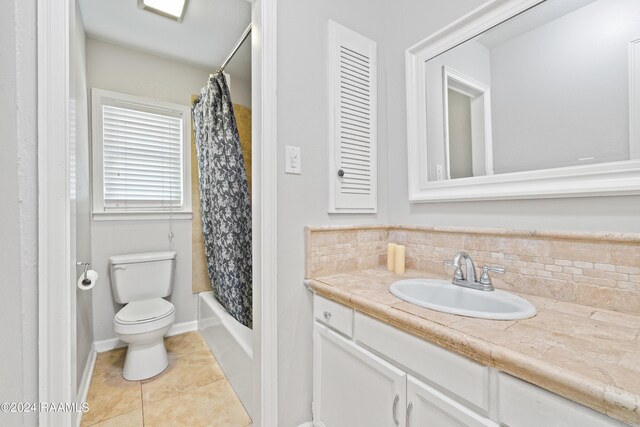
x=119, y=267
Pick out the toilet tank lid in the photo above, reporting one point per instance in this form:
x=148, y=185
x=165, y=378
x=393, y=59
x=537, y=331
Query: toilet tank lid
x=142, y=257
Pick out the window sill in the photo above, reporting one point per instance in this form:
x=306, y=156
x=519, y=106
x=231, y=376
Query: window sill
x=141, y=216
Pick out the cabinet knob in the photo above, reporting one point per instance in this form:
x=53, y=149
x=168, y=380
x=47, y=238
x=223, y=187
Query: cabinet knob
x=340, y=173
x=409, y=408
x=327, y=315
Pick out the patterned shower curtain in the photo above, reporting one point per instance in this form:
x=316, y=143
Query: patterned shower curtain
x=224, y=199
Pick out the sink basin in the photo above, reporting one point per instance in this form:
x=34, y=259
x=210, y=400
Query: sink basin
x=443, y=296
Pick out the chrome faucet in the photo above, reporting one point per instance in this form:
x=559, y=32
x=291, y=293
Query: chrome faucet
x=469, y=280
x=471, y=269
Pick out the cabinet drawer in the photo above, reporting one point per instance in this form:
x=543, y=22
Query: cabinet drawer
x=334, y=315
x=522, y=404
x=458, y=375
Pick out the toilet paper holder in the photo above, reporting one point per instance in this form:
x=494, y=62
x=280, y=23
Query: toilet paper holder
x=86, y=265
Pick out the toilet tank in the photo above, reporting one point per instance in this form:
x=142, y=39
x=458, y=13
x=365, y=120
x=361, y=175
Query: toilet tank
x=142, y=276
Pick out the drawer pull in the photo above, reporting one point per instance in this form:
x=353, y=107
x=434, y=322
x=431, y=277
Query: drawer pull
x=327, y=315
x=395, y=410
x=409, y=408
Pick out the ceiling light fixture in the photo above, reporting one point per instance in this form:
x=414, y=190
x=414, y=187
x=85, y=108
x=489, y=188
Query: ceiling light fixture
x=172, y=9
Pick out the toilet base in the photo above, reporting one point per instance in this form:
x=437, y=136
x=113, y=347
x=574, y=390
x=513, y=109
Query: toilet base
x=145, y=360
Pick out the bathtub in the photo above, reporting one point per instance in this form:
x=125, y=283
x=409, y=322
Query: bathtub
x=230, y=343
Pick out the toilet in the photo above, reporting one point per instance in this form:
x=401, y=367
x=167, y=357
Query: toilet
x=141, y=281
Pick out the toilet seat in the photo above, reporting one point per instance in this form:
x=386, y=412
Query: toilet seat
x=144, y=311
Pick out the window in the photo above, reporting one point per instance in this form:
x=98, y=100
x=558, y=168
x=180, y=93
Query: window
x=140, y=157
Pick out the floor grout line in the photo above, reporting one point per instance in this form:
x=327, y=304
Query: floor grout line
x=198, y=347
x=142, y=403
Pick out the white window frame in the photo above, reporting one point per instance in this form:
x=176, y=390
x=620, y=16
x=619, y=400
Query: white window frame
x=100, y=97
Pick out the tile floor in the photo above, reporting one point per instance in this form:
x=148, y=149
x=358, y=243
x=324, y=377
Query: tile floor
x=192, y=391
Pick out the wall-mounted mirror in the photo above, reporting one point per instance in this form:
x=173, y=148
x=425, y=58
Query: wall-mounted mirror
x=527, y=98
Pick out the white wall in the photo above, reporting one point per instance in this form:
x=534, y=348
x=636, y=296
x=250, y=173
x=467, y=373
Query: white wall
x=303, y=199
x=132, y=72
x=418, y=19
x=122, y=237
x=19, y=204
x=546, y=81
x=80, y=196
x=138, y=73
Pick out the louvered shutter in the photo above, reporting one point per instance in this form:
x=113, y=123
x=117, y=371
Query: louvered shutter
x=142, y=158
x=352, y=117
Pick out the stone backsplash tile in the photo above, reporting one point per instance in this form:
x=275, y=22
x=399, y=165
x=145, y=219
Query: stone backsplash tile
x=344, y=249
x=594, y=269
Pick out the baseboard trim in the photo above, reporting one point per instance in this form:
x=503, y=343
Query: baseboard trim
x=307, y=424
x=108, y=344
x=85, y=382
x=181, y=328
x=113, y=343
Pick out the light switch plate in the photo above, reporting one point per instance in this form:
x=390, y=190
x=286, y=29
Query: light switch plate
x=293, y=160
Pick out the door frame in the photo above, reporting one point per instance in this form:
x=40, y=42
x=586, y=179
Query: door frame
x=481, y=96
x=264, y=210
x=55, y=304
x=56, y=283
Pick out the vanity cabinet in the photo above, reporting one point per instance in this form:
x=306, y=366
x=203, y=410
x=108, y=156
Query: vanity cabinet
x=368, y=373
x=353, y=387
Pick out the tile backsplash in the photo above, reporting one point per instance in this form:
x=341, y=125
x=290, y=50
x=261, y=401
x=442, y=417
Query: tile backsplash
x=331, y=250
x=593, y=269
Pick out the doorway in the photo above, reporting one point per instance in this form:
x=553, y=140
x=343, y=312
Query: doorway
x=467, y=126
x=58, y=246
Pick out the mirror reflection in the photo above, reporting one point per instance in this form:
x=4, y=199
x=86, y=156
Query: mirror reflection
x=556, y=86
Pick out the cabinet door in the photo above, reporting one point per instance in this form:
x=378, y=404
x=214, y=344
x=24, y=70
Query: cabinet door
x=352, y=387
x=525, y=405
x=427, y=407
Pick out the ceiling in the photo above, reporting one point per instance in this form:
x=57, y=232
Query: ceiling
x=205, y=37
x=529, y=20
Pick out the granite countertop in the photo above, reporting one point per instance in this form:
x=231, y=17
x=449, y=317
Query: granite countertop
x=589, y=355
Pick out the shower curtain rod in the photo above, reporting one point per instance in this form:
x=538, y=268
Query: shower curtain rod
x=243, y=37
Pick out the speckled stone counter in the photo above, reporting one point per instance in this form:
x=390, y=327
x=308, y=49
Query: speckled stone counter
x=589, y=355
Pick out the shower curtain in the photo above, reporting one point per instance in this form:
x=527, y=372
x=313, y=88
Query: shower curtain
x=224, y=199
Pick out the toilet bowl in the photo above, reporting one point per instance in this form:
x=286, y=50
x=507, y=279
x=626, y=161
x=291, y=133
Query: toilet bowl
x=143, y=325
x=141, y=281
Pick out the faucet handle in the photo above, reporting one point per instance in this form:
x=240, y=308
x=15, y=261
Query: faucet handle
x=499, y=270
x=458, y=275
x=485, y=279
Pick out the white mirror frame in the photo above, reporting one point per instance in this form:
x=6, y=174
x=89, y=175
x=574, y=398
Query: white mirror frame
x=604, y=179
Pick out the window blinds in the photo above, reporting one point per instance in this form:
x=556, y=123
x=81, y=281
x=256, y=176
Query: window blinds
x=142, y=158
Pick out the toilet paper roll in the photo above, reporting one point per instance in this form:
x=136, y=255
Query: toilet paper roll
x=92, y=276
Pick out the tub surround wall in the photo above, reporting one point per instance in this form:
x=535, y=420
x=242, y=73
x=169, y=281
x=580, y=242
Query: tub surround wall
x=594, y=269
